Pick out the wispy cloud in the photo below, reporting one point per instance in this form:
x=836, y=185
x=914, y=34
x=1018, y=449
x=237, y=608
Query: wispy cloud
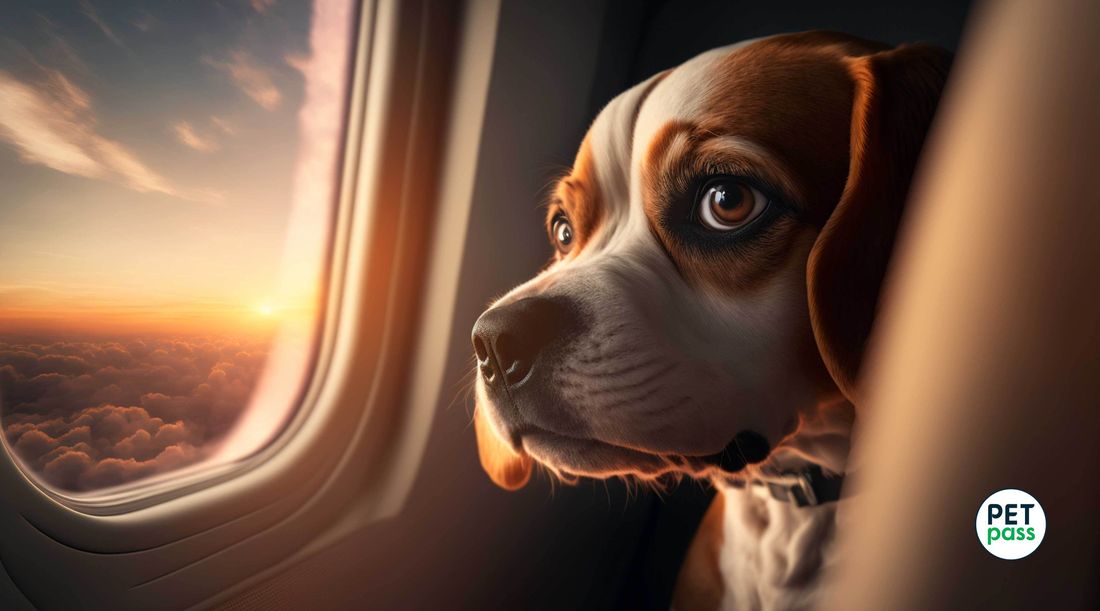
x=52, y=124
x=66, y=93
x=261, y=6
x=250, y=78
x=187, y=136
x=144, y=21
x=224, y=125
x=57, y=49
x=93, y=15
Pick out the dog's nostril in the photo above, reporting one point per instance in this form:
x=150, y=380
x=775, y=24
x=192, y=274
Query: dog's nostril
x=487, y=371
x=517, y=371
x=514, y=356
x=486, y=365
x=480, y=349
x=509, y=338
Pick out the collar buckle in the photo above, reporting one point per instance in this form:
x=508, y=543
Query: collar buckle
x=794, y=487
x=806, y=488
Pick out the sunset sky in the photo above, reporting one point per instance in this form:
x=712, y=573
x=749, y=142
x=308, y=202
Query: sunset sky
x=168, y=174
x=147, y=157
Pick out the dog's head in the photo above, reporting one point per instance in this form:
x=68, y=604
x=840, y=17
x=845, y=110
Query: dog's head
x=718, y=252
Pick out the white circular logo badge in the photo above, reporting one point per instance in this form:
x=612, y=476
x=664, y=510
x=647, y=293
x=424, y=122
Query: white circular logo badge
x=1011, y=524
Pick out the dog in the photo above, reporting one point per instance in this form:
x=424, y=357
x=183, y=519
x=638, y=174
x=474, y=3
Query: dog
x=718, y=252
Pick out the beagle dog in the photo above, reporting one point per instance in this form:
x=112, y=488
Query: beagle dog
x=719, y=248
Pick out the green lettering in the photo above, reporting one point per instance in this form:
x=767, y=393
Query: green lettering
x=1031, y=533
x=992, y=535
x=1008, y=534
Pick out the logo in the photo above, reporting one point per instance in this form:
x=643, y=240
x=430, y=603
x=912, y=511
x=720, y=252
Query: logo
x=1011, y=524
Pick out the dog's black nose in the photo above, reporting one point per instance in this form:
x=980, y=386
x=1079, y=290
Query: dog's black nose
x=508, y=339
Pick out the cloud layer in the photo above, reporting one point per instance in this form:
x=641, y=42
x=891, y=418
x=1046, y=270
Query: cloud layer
x=87, y=415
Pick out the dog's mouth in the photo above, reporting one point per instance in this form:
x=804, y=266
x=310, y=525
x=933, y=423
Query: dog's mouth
x=572, y=457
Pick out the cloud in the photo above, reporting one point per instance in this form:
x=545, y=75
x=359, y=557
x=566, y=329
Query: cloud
x=262, y=6
x=68, y=95
x=187, y=136
x=250, y=78
x=52, y=124
x=93, y=15
x=56, y=48
x=144, y=21
x=89, y=414
x=224, y=125
x=36, y=126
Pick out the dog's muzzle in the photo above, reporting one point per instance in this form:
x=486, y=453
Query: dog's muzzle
x=508, y=339
x=513, y=341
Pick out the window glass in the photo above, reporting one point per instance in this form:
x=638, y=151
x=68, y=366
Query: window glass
x=169, y=173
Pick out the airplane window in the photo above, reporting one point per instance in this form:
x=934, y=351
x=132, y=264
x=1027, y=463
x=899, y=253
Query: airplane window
x=169, y=175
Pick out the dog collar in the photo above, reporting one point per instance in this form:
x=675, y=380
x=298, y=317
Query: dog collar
x=805, y=488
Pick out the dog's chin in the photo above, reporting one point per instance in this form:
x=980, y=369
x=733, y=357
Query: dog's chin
x=572, y=457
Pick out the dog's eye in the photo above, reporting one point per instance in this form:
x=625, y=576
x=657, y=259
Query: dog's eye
x=728, y=204
x=563, y=234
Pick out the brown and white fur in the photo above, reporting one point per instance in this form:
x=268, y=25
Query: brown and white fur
x=651, y=340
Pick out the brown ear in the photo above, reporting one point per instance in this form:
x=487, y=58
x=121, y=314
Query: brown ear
x=895, y=96
x=506, y=467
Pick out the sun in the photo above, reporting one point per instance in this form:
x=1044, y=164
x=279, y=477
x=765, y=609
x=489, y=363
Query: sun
x=265, y=309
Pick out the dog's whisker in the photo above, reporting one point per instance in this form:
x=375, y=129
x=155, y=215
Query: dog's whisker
x=596, y=376
x=612, y=371
x=465, y=394
x=634, y=402
x=646, y=382
x=658, y=408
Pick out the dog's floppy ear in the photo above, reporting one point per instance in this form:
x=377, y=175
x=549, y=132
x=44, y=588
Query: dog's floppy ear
x=506, y=467
x=895, y=96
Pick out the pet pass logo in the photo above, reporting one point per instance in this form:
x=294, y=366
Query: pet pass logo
x=1011, y=524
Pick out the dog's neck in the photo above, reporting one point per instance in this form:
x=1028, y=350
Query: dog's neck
x=774, y=551
x=821, y=440
x=822, y=437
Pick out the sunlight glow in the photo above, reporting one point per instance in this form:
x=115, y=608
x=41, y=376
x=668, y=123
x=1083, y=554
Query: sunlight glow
x=163, y=255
